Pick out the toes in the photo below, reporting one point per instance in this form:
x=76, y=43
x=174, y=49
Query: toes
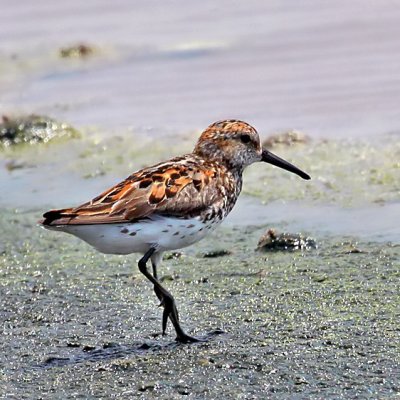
x=184, y=338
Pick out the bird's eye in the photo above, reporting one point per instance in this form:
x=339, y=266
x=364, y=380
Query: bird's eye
x=245, y=138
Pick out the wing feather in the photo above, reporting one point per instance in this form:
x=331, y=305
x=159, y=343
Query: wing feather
x=182, y=186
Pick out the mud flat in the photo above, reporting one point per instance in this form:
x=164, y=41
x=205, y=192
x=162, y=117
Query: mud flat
x=77, y=324
x=309, y=324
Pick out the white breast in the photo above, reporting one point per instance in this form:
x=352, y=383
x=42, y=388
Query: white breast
x=164, y=233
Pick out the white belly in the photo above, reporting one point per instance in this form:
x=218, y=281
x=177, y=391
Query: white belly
x=163, y=233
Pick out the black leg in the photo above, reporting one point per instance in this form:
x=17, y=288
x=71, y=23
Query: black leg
x=160, y=297
x=154, y=265
x=166, y=298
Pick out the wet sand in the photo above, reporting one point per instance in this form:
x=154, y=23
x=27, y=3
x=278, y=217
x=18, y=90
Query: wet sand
x=318, y=324
x=312, y=324
x=330, y=69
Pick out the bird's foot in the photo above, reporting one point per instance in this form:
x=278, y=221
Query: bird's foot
x=184, y=338
x=170, y=312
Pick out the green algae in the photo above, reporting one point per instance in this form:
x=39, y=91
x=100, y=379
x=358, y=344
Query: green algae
x=349, y=173
x=314, y=324
x=345, y=174
x=33, y=129
x=320, y=323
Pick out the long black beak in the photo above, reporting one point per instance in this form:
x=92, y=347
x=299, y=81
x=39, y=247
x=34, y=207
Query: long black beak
x=271, y=158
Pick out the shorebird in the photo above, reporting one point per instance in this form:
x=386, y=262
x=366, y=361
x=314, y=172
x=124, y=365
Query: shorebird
x=170, y=205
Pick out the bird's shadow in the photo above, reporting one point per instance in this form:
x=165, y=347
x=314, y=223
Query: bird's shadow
x=113, y=351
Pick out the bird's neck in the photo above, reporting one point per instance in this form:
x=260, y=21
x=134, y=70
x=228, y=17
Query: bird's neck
x=218, y=157
x=211, y=152
x=233, y=186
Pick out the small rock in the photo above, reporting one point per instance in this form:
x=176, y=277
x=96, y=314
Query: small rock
x=272, y=241
x=216, y=332
x=32, y=129
x=300, y=380
x=173, y=256
x=144, y=387
x=73, y=344
x=144, y=346
x=56, y=361
x=216, y=253
x=289, y=138
x=38, y=289
x=88, y=347
x=354, y=250
x=319, y=278
x=109, y=345
x=102, y=369
x=77, y=51
x=184, y=391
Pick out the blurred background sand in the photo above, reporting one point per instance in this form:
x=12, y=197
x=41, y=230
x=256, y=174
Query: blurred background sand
x=330, y=68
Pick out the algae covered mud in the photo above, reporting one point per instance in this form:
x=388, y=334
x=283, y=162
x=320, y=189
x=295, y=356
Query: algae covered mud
x=107, y=92
x=315, y=323
x=318, y=324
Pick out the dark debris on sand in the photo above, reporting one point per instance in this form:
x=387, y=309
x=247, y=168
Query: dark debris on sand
x=273, y=241
x=288, y=138
x=32, y=129
x=79, y=50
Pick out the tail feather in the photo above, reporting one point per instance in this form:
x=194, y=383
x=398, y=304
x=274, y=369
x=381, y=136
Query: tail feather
x=70, y=216
x=57, y=217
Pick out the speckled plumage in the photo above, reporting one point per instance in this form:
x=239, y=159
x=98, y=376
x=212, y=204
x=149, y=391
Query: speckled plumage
x=205, y=183
x=170, y=205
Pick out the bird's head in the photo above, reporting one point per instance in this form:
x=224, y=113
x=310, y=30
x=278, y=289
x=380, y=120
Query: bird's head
x=237, y=144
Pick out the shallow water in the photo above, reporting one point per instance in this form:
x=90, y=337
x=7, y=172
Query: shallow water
x=315, y=324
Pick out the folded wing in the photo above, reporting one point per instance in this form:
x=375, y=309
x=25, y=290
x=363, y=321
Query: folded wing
x=180, y=187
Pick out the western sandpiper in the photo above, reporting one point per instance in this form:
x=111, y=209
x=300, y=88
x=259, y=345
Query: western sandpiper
x=170, y=205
